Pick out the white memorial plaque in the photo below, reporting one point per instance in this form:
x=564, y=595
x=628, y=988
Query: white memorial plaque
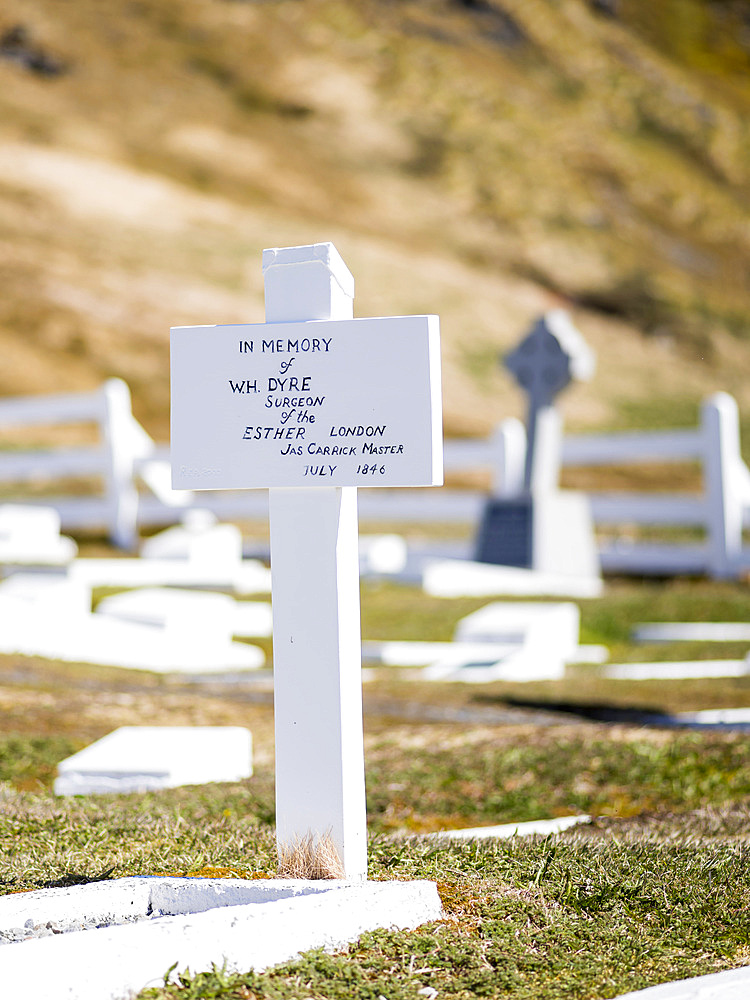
x=353, y=402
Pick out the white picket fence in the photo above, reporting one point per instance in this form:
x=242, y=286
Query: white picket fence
x=135, y=481
x=123, y=456
x=720, y=510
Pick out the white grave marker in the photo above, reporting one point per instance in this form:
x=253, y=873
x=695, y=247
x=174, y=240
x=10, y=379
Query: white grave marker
x=139, y=758
x=311, y=404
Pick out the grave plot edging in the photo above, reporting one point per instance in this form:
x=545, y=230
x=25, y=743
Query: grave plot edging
x=114, y=963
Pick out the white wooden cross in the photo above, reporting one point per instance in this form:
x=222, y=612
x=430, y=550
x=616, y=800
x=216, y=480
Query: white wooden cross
x=311, y=404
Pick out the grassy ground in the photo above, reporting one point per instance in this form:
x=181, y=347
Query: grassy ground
x=655, y=887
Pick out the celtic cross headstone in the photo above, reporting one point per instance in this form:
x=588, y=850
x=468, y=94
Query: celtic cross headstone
x=547, y=360
x=542, y=527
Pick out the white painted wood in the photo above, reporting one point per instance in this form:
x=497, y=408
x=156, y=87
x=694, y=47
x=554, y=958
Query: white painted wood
x=348, y=402
x=648, y=508
x=125, y=441
x=722, y=509
x=320, y=783
x=729, y=491
x=508, y=457
x=55, y=409
x=124, y=454
x=21, y=465
x=468, y=453
x=654, y=560
x=643, y=446
x=307, y=282
x=317, y=682
x=405, y=653
x=720, y=425
x=717, y=717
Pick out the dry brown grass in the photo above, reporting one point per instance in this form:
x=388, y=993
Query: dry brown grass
x=311, y=857
x=456, y=174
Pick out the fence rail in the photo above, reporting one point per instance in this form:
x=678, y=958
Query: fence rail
x=125, y=458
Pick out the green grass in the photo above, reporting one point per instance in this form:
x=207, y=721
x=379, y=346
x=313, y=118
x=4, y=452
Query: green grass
x=604, y=908
x=548, y=918
x=655, y=888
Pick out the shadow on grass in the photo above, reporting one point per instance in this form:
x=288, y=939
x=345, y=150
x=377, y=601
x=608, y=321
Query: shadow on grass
x=602, y=712
x=65, y=881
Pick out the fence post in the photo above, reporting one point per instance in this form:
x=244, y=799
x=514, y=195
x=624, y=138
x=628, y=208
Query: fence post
x=720, y=426
x=120, y=486
x=508, y=458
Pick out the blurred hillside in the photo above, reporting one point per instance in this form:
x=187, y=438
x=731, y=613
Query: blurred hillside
x=481, y=159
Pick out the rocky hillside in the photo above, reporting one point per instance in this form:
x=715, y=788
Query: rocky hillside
x=481, y=159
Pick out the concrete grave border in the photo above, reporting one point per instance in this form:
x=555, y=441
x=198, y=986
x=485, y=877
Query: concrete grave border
x=245, y=924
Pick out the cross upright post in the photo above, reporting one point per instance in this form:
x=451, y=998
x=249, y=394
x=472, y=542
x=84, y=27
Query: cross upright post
x=320, y=783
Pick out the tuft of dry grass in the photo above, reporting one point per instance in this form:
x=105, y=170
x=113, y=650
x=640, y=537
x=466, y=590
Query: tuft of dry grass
x=311, y=857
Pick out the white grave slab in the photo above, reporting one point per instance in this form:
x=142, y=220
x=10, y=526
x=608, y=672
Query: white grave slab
x=194, y=923
x=159, y=605
x=534, y=660
x=382, y=554
x=200, y=540
x=48, y=593
x=675, y=670
x=559, y=623
x=248, y=577
x=143, y=758
x=414, y=653
x=463, y=578
x=733, y=984
x=533, y=828
x=510, y=641
x=31, y=536
x=526, y=656
x=717, y=717
x=470, y=662
x=179, y=646
x=692, y=632
x=197, y=553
